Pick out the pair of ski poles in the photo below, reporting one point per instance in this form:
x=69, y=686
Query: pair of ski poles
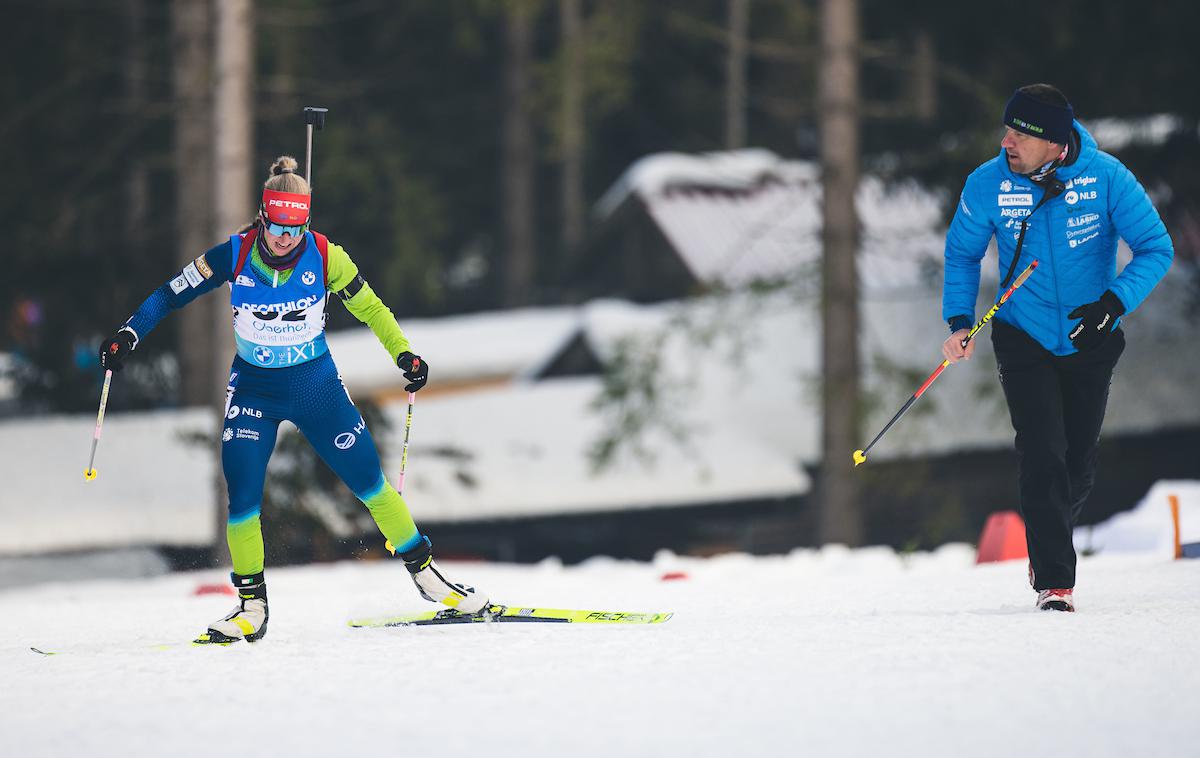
x=90, y=472
x=860, y=456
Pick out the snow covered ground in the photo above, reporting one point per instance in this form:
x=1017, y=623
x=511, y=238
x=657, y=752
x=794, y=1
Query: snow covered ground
x=829, y=652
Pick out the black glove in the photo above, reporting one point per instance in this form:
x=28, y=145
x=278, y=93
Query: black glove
x=1099, y=319
x=416, y=370
x=116, y=348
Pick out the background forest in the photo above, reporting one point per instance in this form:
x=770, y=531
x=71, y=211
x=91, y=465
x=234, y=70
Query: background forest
x=467, y=140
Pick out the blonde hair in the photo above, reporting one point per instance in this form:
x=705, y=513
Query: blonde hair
x=283, y=177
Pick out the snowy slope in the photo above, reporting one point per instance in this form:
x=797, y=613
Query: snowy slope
x=819, y=653
x=1148, y=528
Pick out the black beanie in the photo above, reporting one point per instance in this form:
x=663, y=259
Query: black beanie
x=1027, y=114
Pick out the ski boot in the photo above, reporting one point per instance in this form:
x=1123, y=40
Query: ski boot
x=433, y=585
x=248, y=621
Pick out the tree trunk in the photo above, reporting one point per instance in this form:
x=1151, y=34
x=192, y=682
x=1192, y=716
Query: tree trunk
x=574, y=213
x=193, y=187
x=838, y=100
x=233, y=200
x=924, y=77
x=735, y=74
x=137, y=189
x=518, y=161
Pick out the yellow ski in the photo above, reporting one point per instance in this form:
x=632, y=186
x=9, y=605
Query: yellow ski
x=506, y=614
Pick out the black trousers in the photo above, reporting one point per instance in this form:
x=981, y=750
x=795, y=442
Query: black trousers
x=1057, y=406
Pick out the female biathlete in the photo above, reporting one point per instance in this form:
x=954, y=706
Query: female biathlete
x=280, y=274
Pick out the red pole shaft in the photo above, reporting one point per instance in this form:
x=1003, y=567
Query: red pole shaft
x=861, y=455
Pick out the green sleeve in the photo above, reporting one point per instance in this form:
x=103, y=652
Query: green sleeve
x=365, y=305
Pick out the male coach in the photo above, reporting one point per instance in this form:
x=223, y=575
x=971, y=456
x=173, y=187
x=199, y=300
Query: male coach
x=1051, y=195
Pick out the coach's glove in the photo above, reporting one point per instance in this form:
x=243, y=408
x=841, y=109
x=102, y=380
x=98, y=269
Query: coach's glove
x=416, y=370
x=1099, y=319
x=116, y=348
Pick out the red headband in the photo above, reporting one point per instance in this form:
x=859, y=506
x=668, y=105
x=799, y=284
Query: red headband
x=286, y=208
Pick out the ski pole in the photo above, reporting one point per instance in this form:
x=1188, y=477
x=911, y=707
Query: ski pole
x=90, y=472
x=313, y=116
x=860, y=456
x=412, y=399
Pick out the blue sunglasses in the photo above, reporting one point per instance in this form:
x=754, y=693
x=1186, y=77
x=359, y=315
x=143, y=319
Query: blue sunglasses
x=280, y=229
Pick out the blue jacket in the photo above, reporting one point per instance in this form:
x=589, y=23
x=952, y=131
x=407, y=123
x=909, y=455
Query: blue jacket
x=1073, y=236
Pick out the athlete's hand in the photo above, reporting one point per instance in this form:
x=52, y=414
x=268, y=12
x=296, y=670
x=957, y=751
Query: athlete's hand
x=1099, y=319
x=115, y=349
x=953, y=350
x=416, y=370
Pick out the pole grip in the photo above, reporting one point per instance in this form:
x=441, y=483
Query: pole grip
x=314, y=117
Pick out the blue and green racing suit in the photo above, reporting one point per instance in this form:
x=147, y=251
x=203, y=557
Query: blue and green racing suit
x=283, y=371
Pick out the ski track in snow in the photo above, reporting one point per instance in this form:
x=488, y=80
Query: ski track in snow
x=828, y=652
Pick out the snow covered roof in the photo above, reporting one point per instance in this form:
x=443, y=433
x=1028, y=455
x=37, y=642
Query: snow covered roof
x=153, y=486
x=1113, y=134
x=747, y=215
x=733, y=170
x=468, y=348
x=760, y=355
x=520, y=450
x=523, y=451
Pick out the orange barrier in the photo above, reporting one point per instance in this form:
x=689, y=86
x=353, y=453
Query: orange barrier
x=1003, y=538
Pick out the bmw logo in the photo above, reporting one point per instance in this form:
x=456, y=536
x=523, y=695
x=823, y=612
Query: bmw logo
x=264, y=355
x=308, y=277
